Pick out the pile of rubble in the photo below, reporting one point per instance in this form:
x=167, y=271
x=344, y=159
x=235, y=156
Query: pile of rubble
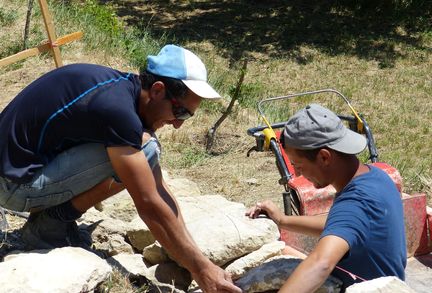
x=248, y=249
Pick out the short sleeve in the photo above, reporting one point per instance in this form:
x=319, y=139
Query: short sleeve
x=119, y=120
x=348, y=219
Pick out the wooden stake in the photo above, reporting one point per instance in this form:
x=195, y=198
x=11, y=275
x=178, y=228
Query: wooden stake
x=51, y=32
x=45, y=47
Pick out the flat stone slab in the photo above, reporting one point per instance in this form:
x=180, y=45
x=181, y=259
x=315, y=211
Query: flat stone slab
x=381, y=285
x=418, y=273
x=272, y=275
x=63, y=270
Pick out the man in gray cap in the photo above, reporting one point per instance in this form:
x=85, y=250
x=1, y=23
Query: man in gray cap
x=83, y=132
x=363, y=234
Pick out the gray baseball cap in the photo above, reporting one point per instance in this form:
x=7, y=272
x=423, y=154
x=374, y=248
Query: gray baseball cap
x=315, y=127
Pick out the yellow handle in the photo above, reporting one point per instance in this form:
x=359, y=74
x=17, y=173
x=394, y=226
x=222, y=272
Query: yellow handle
x=269, y=134
x=359, y=121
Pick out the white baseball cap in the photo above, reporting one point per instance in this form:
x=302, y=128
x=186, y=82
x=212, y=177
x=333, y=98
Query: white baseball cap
x=176, y=62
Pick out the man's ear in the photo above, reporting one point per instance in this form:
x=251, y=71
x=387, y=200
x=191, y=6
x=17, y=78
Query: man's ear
x=324, y=157
x=157, y=90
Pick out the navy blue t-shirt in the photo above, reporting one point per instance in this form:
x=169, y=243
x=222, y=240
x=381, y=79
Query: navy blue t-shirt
x=368, y=214
x=71, y=105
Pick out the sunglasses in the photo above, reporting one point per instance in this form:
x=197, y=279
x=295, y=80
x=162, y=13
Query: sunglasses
x=180, y=112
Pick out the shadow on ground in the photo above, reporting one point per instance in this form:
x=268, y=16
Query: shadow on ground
x=279, y=28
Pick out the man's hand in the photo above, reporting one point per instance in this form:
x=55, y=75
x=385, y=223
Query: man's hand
x=267, y=207
x=214, y=279
x=310, y=225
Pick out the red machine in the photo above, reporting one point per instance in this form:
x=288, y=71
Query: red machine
x=302, y=198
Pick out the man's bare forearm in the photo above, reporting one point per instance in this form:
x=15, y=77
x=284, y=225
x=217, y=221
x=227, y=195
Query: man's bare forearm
x=310, y=225
x=314, y=270
x=168, y=228
x=307, y=278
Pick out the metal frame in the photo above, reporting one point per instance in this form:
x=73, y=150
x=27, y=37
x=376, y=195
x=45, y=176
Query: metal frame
x=356, y=123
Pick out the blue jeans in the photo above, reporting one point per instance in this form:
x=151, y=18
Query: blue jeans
x=71, y=173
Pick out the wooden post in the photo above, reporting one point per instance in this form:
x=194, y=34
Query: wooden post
x=52, y=45
x=45, y=47
x=51, y=32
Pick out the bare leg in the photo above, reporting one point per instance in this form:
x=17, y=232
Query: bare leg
x=98, y=193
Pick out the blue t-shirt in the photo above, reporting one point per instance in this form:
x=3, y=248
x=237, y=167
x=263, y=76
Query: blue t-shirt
x=71, y=105
x=368, y=214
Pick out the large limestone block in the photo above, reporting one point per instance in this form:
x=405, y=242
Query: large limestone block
x=272, y=274
x=62, y=270
x=183, y=187
x=381, y=285
x=221, y=230
x=194, y=208
x=240, y=266
x=139, y=234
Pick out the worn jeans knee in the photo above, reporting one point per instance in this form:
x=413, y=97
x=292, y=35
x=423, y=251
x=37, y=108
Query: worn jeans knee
x=71, y=173
x=152, y=151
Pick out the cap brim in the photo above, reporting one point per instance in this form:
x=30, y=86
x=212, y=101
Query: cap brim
x=202, y=89
x=352, y=143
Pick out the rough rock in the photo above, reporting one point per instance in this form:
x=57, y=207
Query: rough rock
x=380, y=285
x=155, y=254
x=100, y=224
x=120, y=206
x=183, y=187
x=139, y=234
x=222, y=231
x=131, y=265
x=240, y=266
x=272, y=274
x=63, y=270
x=169, y=273
x=108, y=234
x=418, y=273
x=113, y=245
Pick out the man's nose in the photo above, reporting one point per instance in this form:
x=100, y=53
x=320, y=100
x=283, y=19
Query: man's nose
x=177, y=123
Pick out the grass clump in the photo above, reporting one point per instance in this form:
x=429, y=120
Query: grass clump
x=7, y=17
x=187, y=156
